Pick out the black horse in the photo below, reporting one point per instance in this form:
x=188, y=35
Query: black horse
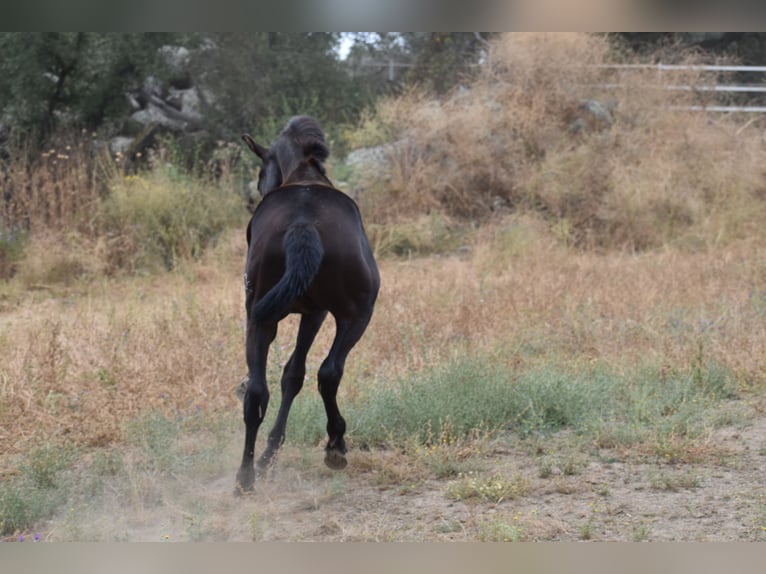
x=308, y=254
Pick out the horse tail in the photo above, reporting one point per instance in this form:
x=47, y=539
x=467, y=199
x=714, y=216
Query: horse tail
x=303, y=255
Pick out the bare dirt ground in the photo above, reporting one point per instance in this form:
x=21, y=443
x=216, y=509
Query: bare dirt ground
x=720, y=498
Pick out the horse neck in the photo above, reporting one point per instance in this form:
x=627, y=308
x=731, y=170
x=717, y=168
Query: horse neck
x=308, y=171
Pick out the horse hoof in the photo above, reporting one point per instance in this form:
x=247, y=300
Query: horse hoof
x=240, y=490
x=335, y=459
x=245, y=481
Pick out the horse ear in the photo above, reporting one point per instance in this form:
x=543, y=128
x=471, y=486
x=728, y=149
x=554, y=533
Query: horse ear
x=258, y=150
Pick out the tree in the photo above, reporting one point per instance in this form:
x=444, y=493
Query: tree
x=55, y=80
x=260, y=79
x=434, y=60
x=441, y=59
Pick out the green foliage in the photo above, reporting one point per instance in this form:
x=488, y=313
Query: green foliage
x=255, y=81
x=12, y=244
x=158, y=218
x=38, y=490
x=51, y=80
x=467, y=395
x=261, y=79
x=442, y=59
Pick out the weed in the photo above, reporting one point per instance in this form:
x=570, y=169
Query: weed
x=495, y=488
x=545, y=468
x=42, y=485
x=449, y=462
x=259, y=525
x=196, y=524
x=758, y=521
x=499, y=531
x=448, y=527
x=569, y=463
x=665, y=480
x=640, y=532
x=12, y=245
x=45, y=465
x=156, y=437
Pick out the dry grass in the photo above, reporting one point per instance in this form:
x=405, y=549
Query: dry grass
x=56, y=191
x=670, y=204
x=78, y=366
x=75, y=210
x=653, y=175
x=549, y=301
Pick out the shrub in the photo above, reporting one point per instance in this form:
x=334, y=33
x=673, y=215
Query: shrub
x=157, y=218
x=39, y=489
x=12, y=244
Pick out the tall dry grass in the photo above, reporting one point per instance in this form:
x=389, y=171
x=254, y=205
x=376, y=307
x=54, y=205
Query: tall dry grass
x=519, y=139
x=53, y=191
x=78, y=368
x=81, y=212
x=82, y=359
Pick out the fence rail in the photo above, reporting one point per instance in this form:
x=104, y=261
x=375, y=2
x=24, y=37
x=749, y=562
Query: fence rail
x=746, y=88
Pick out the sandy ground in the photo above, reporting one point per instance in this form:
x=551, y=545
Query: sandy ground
x=720, y=498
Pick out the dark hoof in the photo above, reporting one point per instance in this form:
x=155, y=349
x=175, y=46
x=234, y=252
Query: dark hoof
x=245, y=481
x=240, y=490
x=335, y=459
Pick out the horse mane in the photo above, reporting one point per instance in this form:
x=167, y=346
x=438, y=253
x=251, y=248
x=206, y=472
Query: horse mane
x=301, y=150
x=309, y=139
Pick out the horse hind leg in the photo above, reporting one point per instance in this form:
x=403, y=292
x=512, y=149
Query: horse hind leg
x=329, y=376
x=255, y=400
x=254, y=403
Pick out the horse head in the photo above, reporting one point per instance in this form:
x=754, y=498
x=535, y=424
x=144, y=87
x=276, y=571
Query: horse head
x=300, y=149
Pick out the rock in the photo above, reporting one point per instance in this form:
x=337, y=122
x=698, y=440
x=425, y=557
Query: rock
x=120, y=144
x=590, y=115
x=176, y=57
x=187, y=102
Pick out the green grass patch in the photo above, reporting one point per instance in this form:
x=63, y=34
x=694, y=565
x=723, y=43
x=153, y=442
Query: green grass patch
x=454, y=401
x=190, y=443
x=495, y=488
x=12, y=245
x=36, y=492
x=161, y=452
